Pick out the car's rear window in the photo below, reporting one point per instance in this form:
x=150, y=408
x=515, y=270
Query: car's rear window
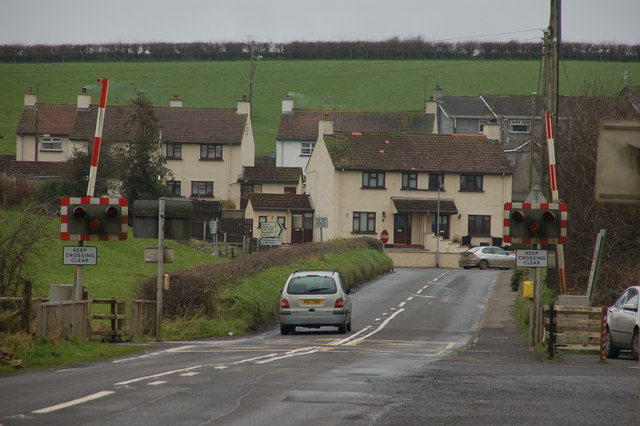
x=312, y=285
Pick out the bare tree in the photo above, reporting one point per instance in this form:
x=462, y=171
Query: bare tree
x=577, y=149
x=23, y=237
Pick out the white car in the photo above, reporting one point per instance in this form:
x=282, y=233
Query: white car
x=623, y=324
x=315, y=298
x=484, y=257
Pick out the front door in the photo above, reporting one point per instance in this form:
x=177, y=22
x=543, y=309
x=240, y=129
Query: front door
x=402, y=229
x=302, y=227
x=444, y=226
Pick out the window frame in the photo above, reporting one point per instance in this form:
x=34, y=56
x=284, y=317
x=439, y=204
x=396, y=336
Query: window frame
x=366, y=223
x=207, y=183
x=483, y=222
x=306, y=148
x=525, y=124
x=373, y=180
x=409, y=181
x=172, y=185
x=174, y=151
x=47, y=143
x=465, y=181
x=440, y=180
x=211, y=151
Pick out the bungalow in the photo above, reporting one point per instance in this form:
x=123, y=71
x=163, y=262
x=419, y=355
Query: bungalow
x=410, y=185
x=293, y=211
x=266, y=178
x=205, y=148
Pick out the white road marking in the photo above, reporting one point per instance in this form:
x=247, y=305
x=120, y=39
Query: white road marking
x=157, y=382
x=155, y=376
x=380, y=327
x=77, y=401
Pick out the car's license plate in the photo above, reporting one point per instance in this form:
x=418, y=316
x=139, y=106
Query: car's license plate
x=311, y=302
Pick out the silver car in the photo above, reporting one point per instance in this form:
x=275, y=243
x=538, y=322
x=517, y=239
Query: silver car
x=484, y=257
x=314, y=298
x=623, y=325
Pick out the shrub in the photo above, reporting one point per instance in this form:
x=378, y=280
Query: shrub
x=192, y=289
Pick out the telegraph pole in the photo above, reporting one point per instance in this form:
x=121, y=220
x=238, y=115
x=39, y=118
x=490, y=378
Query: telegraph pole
x=552, y=94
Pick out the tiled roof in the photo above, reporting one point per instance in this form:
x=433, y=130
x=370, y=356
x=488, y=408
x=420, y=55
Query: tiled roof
x=427, y=152
x=423, y=205
x=53, y=119
x=179, y=125
x=270, y=173
x=281, y=202
x=11, y=167
x=302, y=124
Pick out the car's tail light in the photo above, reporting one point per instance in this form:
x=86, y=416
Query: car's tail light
x=339, y=303
x=284, y=304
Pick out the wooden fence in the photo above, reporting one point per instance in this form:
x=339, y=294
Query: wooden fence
x=573, y=327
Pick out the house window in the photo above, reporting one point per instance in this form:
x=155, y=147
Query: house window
x=210, y=152
x=480, y=225
x=435, y=180
x=373, y=180
x=174, y=151
x=481, y=124
x=261, y=220
x=51, y=144
x=520, y=126
x=282, y=221
x=290, y=190
x=306, y=149
x=409, y=181
x=174, y=187
x=202, y=189
x=364, y=222
x=471, y=182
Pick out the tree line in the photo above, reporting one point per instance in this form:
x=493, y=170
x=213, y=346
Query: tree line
x=391, y=49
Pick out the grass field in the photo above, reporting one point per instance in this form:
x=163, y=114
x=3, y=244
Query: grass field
x=386, y=85
x=120, y=267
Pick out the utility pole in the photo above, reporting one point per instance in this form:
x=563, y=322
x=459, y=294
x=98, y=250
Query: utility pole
x=252, y=72
x=552, y=94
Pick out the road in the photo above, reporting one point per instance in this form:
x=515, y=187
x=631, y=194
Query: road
x=406, y=325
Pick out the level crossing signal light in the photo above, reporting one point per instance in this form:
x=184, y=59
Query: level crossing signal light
x=94, y=219
x=541, y=223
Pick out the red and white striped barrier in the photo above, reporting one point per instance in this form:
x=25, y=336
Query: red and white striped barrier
x=97, y=140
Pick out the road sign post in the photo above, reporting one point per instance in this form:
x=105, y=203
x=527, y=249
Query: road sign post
x=321, y=222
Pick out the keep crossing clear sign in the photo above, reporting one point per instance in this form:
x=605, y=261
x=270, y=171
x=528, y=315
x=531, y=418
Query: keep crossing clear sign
x=532, y=258
x=84, y=255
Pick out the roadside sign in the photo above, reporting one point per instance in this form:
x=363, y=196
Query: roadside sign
x=320, y=222
x=85, y=255
x=270, y=241
x=384, y=236
x=532, y=258
x=271, y=230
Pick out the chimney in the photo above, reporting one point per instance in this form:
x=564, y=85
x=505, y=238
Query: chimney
x=491, y=130
x=287, y=105
x=175, y=102
x=244, y=105
x=326, y=125
x=84, y=100
x=30, y=99
x=437, y=93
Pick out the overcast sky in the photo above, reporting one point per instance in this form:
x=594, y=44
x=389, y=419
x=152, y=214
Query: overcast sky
x=107, y=21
